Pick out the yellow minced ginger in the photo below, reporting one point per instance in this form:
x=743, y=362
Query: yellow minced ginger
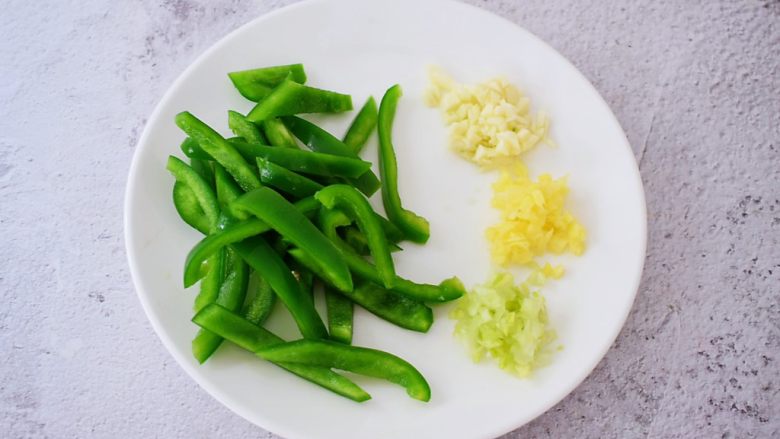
x=489, y=122
x=507, y=322
x=533, y=218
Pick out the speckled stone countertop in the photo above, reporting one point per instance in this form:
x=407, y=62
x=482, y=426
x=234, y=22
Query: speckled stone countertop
x=696, y=86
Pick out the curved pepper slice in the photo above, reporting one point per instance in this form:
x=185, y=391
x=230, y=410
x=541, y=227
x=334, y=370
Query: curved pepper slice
x=320, y=140
x=449, y=289
x=200, y=189
x=259, y=306
x=278, y=134
x=340, y=316
x=188, y=207
x=362, y=126
x=268, y=264
x=231, y=233
x=355, y=205
x=256, y=84
x=218, y=148
x=415, y=227
x=308, y=162
x=363, y=361
x=254, y=338
x=289, y=97
x=282, y=216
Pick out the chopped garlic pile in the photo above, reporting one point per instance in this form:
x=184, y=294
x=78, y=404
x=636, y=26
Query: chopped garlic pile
x=533, y=219
x=507, y=322
x=489, y=122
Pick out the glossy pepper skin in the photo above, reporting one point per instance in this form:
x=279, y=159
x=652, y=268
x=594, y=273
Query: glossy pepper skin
x=449, y=289
x=232, y=232
x=259, y=306
x=201, y=190
x=363, y=361
x=219, y=149
x=298, y=160
x=268, y=264
x=362, y=126
x=356, y=206
x=284, y=180
x=385, y=304
x=244, y=128
x=282, y=216
x=256, y=84
x=320, y=140
x=231, y=295
x=340, y=316
x=415, y=227
x=289, y=98
x=278, y=134
x=188, y=207
x=246, y=335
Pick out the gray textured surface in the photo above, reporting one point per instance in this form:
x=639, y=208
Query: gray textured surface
x=695, y=84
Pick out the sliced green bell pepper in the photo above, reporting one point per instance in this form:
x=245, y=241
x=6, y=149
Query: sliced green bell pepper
x=220, y=149
x=308, y=162
x=256, y=84
x=260, y=304
x=415, y=227
x=199, y=187
x=191, y=149
x=244, y=128
x=282, y=216
x=231, y=296
x=356, y=206
x=289, y=98
x=363, y=361
x=278, y=134
x=340, y=316
x=281, y=178
x=320, y=140
x=231, y=233
x=254, y=338
x=362, y=126
x=188, y=207
x=268, y=264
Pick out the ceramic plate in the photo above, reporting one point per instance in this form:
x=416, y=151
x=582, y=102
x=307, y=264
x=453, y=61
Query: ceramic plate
x=362, y=48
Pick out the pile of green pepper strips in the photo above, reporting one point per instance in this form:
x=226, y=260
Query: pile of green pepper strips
x=295, y=217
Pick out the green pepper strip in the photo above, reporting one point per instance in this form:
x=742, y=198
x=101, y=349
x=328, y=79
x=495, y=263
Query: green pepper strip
x=298, y=160
x=200, y=189
x=268, y=264
x=204, y=169
x=415, y=227
x=269, y=206
x=220, y=149
x=191, y=149
x=340, y=316
x=289, y=98
x=362, y=127
x=227, y=189
x=363, y=361
x=188, y=207
x=259, y=306
x=386, y=304
x=357, y=240
x=232, y=233
x=254, y=338
x=278, y=134
x=449, y=289
x=355, y=205
x=320, y=140
x=244, y=128
x=287, y=181
x=231, y=296
x=255, y=84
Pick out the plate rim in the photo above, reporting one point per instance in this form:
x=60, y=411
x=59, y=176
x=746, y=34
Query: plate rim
x=268, y=423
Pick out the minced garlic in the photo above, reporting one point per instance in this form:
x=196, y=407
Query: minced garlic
x=533, y=218
x=489, y=122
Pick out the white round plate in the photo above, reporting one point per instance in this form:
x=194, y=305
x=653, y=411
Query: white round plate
x=362, y=48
